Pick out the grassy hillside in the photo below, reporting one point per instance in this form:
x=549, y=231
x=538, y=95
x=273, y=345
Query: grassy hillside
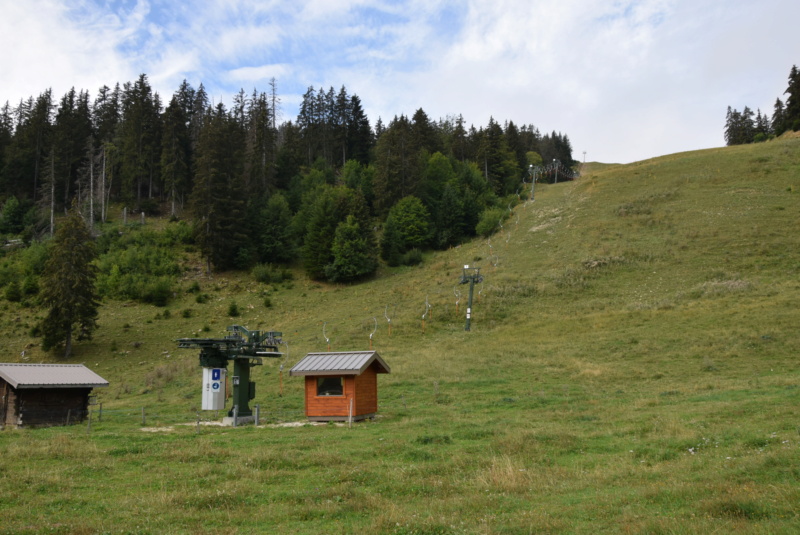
x=632, y=368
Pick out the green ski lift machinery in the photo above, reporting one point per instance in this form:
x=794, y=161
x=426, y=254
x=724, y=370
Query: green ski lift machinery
x=246, y=349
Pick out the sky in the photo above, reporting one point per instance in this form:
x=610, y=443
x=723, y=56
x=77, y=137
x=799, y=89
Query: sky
x=624, y=80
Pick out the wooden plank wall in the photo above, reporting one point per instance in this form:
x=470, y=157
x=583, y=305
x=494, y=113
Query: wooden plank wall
x=367, y=392
x=52, y=406
x=363, y=389
x=8, y=413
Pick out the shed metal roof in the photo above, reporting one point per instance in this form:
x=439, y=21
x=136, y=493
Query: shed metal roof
x=50, y=376
x=342, y=363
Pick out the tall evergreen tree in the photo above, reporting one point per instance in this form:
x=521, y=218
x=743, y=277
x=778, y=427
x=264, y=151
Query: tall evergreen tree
x=106, y=113
x=778, y=118
x=437, y=173
x=139, y=144
x=793, y=100
x=396, y=165
x=359, y=132
x=449, y=218
x=68, y=286
x=176, y=153
x=424, y=135
x=217, y=199
x=32, y=140
x=275, y=243
x=763, y=126
x=73, y=127
x=458, y=141
x=498, y=162
x=259, y=167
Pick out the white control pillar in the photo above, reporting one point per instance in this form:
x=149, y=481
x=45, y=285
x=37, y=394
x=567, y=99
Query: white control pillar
x=214, y=388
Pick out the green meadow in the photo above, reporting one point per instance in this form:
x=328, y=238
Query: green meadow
x=632, y=367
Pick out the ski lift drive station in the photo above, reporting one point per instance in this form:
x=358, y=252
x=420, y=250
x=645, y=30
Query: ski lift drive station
x=246, y=349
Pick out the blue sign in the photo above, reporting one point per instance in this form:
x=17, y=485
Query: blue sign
x=215, y=386
x=215, y=374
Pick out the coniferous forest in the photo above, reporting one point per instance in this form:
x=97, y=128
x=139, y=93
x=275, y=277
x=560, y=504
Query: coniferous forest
x=330, y=190
x=747, y=127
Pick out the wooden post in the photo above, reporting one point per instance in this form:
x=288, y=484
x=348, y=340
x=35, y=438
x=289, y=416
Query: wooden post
x=100, y=414
x=350, y=414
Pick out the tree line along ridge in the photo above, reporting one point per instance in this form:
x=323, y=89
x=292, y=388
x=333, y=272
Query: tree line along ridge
x=748, y=127
x=253, y=189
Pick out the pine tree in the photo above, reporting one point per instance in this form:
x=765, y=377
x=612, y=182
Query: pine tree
x=353, y=255
x=414, y=222
x=331, y=207
x=438, y=172
x=498, y=162
x=275, y=240
x=73, y=126
x=793, y=100
x=218, y=202
x=6, y=134
x=748, y=125
x=29, y=146
x=392, y=246
x=175, y=153
x=778, y=118
x=259, y=167
x=733, y=121
x=396, y=165
x=68, y=285
x=359, y=132
x=423, y=133
x=458, y=143
x=449, y=219
x=140, y=133
x=763, y=127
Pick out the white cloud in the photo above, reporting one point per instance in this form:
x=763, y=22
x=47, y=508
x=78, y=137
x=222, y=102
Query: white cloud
x=625, y=79
x=262, y=73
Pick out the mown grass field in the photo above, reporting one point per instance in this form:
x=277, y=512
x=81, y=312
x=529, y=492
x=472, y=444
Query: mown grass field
x=632, y=368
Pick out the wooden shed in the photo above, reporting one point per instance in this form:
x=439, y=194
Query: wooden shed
x=340, y=386
x=39, y=395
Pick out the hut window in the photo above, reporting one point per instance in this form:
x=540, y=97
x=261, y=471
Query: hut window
x=330, y=386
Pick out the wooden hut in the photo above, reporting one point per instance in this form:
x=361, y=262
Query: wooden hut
x=340, y=386
x=39, y=395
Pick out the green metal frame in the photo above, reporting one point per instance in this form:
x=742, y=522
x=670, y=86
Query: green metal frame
x=470, y=276
x=246, y=349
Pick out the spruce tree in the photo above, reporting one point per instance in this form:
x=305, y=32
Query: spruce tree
x=392, y=246
x=68, y=285
x=218, y=202
x=275, y=242
x=353, y=255
x=793, y=100
x=778, y=118
x=331, y=207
